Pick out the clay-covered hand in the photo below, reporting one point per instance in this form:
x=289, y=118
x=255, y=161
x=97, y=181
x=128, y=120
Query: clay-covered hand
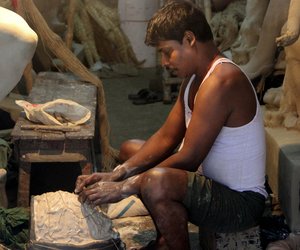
x=102, y=193
x=288, y=38
x=292, y=30
x=86, y=180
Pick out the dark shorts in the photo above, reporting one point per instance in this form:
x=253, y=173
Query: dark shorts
x=217, y=208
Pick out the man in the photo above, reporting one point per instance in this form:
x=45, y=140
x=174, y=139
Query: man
x=217, y=121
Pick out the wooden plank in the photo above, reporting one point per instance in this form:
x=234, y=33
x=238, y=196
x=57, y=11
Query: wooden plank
x=50, y=86
x=64, y=157
x=50, y=128
x=24, y=184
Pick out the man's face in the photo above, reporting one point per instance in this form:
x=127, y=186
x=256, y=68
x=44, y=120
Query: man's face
x=174, y=57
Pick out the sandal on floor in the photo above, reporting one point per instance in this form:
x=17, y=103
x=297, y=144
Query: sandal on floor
x=150, y=98
x=140, y=94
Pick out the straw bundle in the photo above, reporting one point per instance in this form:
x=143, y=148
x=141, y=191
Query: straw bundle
x=70, y=23
x=85, y=34
x=98, y=28
x=108, y=25
x=110, y=30
x=6, y=4
x=206, y=6
x=55, y=44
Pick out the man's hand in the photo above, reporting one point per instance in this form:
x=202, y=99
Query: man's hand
x=86, y=180
x=102, y=193
x=288, y=38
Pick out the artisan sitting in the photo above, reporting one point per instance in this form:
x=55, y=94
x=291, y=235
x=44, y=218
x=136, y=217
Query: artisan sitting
x=217, y=122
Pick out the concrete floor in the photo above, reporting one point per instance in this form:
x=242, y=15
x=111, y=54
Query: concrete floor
x=127, y=120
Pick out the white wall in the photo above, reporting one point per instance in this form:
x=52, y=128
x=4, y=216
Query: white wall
x=134, y=16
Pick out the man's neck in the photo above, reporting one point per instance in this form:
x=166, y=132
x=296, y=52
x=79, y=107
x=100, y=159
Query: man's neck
x=209, y=54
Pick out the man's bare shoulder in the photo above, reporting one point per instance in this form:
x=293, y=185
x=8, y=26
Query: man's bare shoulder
x=232, y=93
x=226, y=87
x=228, y=77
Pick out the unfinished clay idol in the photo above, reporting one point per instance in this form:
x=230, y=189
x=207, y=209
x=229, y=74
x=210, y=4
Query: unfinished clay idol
x=59, y=219
x=18, y=43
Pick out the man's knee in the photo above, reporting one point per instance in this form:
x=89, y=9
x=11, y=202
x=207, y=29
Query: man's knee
x=162, y=184
x=155, y=184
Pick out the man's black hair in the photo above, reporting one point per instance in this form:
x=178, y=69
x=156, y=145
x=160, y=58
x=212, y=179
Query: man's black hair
x=172, y=20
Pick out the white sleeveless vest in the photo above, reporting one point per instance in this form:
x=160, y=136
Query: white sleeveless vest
x=237, y=157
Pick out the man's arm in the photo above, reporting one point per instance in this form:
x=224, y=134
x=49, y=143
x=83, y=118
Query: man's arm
x=159, y=146
x=212, y=108
x=156, y=148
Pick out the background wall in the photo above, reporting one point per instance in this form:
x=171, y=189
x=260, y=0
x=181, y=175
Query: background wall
x=134, y=16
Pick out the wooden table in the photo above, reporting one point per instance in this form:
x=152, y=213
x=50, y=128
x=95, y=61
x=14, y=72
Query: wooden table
x=33, y=146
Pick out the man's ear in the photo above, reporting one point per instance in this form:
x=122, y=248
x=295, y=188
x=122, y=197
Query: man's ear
x=190, y=37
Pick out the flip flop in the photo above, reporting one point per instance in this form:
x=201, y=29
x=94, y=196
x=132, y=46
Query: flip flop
x=140, y=94
x=152, y=97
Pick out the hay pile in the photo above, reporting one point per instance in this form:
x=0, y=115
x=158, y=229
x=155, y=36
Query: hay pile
x=97, y=26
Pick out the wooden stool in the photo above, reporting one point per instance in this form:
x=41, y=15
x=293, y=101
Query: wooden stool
x=33, y=146
x=247, y=239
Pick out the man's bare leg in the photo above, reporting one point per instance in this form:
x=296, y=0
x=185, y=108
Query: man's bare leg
x=162, y=191
x=128, y=149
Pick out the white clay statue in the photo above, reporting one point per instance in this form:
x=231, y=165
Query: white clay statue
x=17, y=46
